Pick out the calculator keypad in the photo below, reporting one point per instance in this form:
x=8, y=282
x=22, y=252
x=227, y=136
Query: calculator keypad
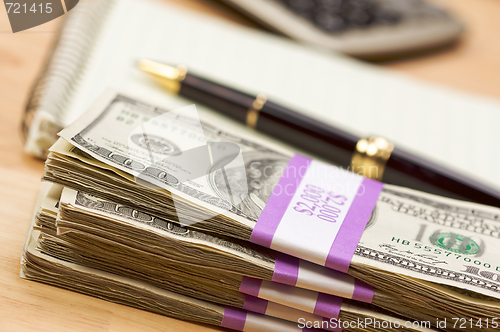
x=336, y=16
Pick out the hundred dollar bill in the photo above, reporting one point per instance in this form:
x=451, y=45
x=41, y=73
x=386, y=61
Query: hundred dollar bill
x=39, y=266
x=432, y=247
x=390, y=298
x=441, y=252
x=165, y=149
x=54, y=258
x=227, y=260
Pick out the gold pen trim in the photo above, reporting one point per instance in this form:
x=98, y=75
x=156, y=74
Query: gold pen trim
x=169, y=77
x=253, y=112
x=371, y=156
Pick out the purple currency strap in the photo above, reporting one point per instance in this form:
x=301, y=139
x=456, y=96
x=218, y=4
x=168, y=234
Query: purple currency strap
x=327, y=305
x=362, y=292
x=286, y=269
x=276, y=206
x=347, y=239
x=250, y=286
x=255, y=304
x=234, y=319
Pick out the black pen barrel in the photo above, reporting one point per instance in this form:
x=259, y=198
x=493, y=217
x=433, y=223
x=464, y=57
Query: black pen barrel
x=307, y=133
x=333, y=144
x=301, y=131
x=408, y=170
x=230, y=102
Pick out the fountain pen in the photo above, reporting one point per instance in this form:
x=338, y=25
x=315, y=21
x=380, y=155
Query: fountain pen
x=374, y=157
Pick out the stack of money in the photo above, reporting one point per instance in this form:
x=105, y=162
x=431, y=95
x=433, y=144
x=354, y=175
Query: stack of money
x=42, y=267
x=171, y=201
x=57, y=241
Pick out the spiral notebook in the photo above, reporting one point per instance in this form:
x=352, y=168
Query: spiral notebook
x=102, y=40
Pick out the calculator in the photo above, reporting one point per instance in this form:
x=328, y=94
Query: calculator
x=362, y=28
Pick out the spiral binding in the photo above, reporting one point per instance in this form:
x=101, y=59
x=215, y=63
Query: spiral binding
x=61, y=73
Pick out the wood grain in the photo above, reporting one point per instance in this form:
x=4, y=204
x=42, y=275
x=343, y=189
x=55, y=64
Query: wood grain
x=473, y=65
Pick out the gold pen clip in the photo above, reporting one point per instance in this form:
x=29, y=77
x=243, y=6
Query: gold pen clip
x=371, y=156
x=253, y=113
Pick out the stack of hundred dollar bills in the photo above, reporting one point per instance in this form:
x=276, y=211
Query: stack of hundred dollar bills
x=169, y=211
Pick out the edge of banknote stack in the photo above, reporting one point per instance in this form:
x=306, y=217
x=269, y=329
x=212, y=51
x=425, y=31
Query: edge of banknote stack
x=98, y=230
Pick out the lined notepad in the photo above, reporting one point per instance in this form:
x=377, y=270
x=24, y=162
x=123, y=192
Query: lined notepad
x=449, y=127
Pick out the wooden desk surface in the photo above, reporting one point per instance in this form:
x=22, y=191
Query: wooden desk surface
x=473, y=66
